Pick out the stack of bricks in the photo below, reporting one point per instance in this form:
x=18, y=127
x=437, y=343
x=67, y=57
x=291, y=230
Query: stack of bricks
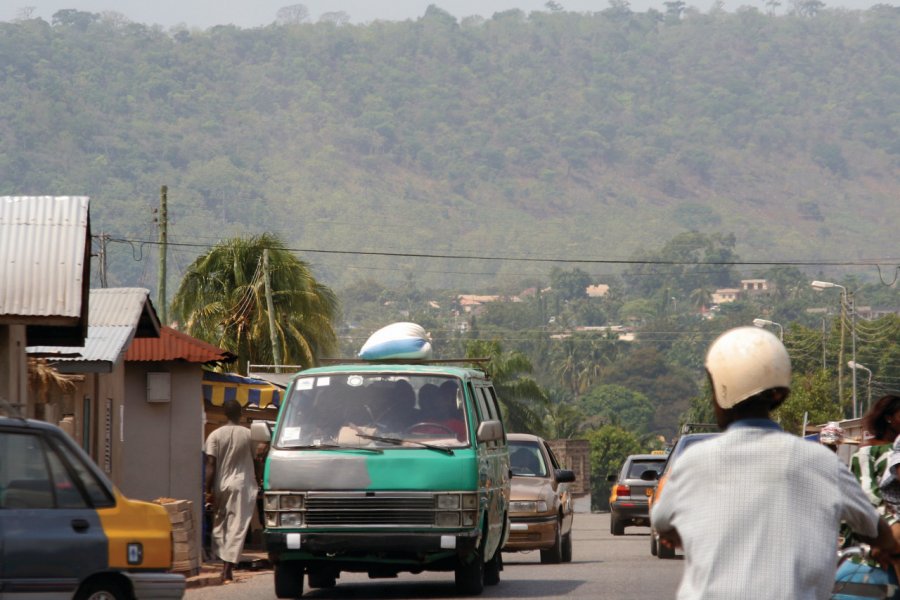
x=185, y=550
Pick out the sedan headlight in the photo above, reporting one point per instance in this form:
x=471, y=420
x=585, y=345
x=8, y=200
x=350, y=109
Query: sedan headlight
x=528, y=506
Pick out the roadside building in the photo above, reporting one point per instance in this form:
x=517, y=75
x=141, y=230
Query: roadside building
x=44, y=278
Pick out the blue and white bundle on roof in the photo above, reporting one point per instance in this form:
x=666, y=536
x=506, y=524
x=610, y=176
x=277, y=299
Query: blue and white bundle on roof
x=397, y=340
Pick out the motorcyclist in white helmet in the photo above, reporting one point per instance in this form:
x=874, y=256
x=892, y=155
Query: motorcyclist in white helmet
x=757, y=510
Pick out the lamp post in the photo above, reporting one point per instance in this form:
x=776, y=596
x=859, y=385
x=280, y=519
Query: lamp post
x=855, y=365
x=674, y=305
x=764, y=322
x=846, y=300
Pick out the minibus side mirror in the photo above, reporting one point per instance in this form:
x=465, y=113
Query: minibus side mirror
x=489, y=431
x=260, y=431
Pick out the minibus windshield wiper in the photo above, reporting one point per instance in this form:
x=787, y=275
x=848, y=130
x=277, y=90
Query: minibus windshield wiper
x=401, y=441
x=333, y=447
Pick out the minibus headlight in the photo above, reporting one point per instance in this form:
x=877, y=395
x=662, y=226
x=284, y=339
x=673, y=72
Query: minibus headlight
x=448, y=502
x=291, y=519
x=271, y=519
x=468, y=519
x=446, y=519
x=469, y=501
x=271, y=501
x=291, y=502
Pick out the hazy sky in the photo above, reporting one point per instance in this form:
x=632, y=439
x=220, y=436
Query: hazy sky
x=253, y=13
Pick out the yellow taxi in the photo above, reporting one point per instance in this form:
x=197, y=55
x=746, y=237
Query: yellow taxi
x=67, y=532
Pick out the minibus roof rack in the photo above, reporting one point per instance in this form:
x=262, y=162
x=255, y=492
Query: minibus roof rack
x=404, y=361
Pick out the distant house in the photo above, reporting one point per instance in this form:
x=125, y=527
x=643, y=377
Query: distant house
x=725, y=295
x=470, y=302
x=870, y=313
x=598, y=290
x=754, y=287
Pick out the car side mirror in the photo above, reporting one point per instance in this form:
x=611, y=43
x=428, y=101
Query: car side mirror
x=649, y=475
x=564, y=476
x=612, y=477
x=261, y=431
x=489, y=431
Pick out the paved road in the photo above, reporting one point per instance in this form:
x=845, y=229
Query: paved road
x=612, y=568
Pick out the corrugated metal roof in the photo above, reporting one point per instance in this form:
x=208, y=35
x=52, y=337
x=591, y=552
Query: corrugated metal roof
x=103, y=348
x=44, y=256
x=174, y=345
x=126, y=307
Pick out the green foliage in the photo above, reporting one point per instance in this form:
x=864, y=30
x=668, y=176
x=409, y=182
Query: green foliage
x=522, y=399
x=811, y=395
x=548, y=133
x=222, y=300
x=617, y=405
x=569, y=285
x=610, y=446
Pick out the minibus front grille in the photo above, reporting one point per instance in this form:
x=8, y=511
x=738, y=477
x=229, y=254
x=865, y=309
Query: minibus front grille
x=370, y=510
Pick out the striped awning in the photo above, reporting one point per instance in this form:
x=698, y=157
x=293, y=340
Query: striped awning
x=248, y=391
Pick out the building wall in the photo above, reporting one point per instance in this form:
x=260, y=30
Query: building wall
x=164, y=440
x=575, y=455
x=13, y=366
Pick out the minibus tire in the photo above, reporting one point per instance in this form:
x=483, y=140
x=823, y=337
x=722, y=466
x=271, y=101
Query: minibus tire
x=470, y=576
x=288, y=579
x=492, y=569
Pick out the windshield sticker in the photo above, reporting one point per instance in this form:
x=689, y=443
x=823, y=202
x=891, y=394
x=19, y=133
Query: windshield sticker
x=291, y=434
x=323, y=381
x=304, y=384
x=355, y=380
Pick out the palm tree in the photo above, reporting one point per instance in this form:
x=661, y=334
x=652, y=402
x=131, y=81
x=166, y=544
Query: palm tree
x=222, y=300
x=520, y=396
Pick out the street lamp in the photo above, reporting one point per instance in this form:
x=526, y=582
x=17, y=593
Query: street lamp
x=764, y=322
x=855, y=365
x=846, y=300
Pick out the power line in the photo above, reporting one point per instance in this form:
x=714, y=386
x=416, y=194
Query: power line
x=617, y=261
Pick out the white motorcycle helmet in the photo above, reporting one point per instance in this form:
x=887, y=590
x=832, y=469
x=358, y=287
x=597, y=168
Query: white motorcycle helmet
x=745, y=361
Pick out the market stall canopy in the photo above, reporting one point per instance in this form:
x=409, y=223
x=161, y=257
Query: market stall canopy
x=248, y=391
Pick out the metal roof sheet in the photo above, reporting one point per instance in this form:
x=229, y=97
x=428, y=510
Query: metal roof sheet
x=44, y=256
x=175, y=345
x=103, y=348
x=126, y=307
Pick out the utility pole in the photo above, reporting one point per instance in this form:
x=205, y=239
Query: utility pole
x=163, y=249
x=852, y=306
x=103, y=271
x=840, y=364
x=270, y=308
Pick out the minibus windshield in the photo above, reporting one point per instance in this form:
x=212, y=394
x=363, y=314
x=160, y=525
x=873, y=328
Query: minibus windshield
x=365, y=409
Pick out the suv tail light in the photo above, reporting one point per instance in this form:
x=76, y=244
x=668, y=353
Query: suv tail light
x=623, y=490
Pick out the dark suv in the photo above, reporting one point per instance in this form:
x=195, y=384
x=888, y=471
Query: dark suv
x=628, y=497
x=688, y=439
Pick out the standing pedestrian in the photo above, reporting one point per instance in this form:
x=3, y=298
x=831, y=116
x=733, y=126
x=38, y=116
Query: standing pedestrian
x=881, y=426
x=757, y=510
x=230, y=487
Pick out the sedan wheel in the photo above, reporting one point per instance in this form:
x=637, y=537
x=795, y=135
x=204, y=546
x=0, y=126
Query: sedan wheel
x=553, y=556
x=616, y=527
x=567, y=548
x=103, y=590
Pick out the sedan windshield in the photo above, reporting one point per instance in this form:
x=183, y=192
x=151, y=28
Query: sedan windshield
x=525, y=459
x=374, y=409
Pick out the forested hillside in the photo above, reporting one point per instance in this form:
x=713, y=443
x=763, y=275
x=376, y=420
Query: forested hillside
x=550, y=134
